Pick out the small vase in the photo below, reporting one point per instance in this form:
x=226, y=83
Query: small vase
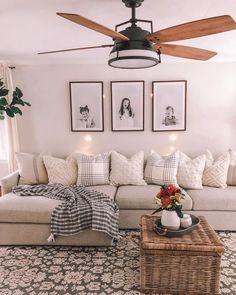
x=170, y=220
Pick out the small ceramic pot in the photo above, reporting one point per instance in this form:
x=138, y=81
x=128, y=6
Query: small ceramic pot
x=170, y=220
x=186, y=221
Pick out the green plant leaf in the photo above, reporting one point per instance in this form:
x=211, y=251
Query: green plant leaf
x=14, y=100
x=18, y=92
x=10, y=113
x=27, y=103
x=2, y=117
x=3, y=92
x=18, y=101
x=3, y=101
x=16, y=110
x=2, y=108
x=1, y=83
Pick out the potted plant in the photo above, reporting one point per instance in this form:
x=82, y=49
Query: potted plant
x=11, y=109
x=169, y=200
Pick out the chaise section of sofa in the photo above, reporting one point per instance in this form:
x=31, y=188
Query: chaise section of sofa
x=26, y=221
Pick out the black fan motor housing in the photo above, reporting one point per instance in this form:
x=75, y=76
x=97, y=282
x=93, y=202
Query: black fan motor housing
x=132, y=3
x=137, y=40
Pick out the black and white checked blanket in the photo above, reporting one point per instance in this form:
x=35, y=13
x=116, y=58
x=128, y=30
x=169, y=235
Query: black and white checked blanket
x=80, y=209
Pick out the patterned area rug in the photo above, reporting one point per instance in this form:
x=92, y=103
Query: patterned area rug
x=88, y=271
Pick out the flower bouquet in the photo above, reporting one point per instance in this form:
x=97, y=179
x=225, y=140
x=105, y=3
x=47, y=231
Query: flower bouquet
x=169, y=198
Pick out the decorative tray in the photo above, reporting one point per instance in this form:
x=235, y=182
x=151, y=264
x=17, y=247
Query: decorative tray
x=161, y=230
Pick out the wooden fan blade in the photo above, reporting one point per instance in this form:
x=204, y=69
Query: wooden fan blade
x=74, y=49
x=78, y=19
x=199, y=28
x=185, y=51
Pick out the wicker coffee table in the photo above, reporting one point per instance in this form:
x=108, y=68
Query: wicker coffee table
x=189, y=264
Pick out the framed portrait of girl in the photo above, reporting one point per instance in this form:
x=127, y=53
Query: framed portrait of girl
x=169, y=105
x=127, y=105
x=86, y=104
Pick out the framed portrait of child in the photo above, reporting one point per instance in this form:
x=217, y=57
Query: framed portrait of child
x=169, y=105
x=127, y=105
x=86, y=105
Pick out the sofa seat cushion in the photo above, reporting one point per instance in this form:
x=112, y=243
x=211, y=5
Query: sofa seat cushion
x=36, y=209
x=142, y=197
x=211, y=198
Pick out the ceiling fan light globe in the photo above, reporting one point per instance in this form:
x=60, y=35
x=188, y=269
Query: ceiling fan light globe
x=133, y=59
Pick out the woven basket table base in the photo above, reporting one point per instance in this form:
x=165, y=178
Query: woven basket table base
x=189, y=264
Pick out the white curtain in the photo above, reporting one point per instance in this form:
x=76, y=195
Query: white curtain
x=3, y=141
x=11, y=138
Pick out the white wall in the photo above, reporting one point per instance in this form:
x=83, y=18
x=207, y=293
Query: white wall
x=211, y=109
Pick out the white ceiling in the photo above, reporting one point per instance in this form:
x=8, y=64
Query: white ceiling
x=28, y=27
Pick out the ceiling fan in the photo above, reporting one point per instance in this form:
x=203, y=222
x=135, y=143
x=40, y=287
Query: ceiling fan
x=135, y=47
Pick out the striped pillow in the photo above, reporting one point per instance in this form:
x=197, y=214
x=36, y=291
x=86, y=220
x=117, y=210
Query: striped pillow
x=93, y=170
x=231, y=177
x=162, y=170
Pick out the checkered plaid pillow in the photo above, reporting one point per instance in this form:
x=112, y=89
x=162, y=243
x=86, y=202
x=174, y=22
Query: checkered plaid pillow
x=160, y=170
x=93, y=170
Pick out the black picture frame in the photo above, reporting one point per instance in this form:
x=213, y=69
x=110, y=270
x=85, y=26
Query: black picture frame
x=86, y=106
x=130, y=95
x=169, y=105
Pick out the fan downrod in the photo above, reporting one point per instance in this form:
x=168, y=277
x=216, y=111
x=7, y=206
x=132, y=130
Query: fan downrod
x=132, y=3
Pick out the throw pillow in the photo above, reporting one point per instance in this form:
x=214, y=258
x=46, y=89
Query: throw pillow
x=93, y=170
x=60, y=170
x=215, y=173
x=126, y=171
x=162, y=170
x=189, y=175
x=231, y=177
x=31, y=168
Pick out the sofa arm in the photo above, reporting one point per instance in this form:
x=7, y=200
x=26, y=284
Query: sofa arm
x=9, y=181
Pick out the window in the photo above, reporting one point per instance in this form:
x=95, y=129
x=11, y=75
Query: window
x=3, y=141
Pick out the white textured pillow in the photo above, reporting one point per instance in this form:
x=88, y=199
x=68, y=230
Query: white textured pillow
x=190, y=171
x=231, y=177
x=215, y=173
x=93, y=170
x=161, y=170
x=126, y=171
x=60, y=170
x=31, y=168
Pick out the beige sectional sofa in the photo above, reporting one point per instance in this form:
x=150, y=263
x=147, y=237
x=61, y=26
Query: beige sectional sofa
x=26, y=220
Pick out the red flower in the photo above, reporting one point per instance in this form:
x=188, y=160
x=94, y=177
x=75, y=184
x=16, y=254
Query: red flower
x=172, y=188
x=164, y=192
x=165, y=201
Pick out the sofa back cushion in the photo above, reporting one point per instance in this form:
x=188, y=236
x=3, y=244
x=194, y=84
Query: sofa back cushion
x=189, y=175
x=60, y=170
x=215, y=173
x=231, y=177
x=31, y=168
x=126, y=171
x=162, y=170
x=93, y=170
